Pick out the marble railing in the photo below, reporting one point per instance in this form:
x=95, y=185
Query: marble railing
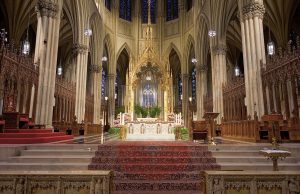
x=254, y=182
x=59, y=182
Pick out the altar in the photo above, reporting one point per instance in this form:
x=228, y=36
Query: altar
x=150, y=130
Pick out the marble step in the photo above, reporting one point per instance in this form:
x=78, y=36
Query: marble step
x=154, y=153
x=193, y=175
x=259, y=166
x=159, y=167
x=9, y=166
x=51, y=159
x=58, y=153
x=63, y=147
x=254, y=159
x=182, y=160
x=236, y=153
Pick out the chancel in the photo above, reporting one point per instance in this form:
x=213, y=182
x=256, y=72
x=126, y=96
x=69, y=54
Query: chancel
x=149, y=96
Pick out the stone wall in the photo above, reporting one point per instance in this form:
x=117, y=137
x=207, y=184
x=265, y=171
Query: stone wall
x=60, y=182
x=254, y=182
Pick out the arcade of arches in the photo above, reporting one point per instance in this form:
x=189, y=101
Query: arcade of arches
x=227, y=70
x=94, y=59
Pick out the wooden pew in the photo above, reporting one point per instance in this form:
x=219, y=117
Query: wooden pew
x=15, y=120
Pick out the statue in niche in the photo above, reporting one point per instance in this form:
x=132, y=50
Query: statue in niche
x=20, y=186
x=98, y=187
x=293, y=186
x=217, y=187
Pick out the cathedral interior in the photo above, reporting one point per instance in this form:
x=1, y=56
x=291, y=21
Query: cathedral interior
x=150, y=96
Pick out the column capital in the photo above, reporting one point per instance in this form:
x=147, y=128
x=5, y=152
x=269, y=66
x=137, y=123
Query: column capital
x=220, y=49
x=79, y=49
x=253, y=9
x=47, y=8
x=201, y=68
x=96, y=68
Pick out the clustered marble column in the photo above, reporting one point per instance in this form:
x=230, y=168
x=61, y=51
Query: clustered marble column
x=253, y=54
x=111, y=97
x=97, y=69
x=185, y=97
x=81, y=53
x=201, y=80
x=49, y=14
x=219, y=78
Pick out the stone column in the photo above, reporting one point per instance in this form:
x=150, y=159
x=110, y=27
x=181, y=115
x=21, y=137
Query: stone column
x=219, y=78
x=201, y=89
x=49, y=13
x=111, y=98
x=185, y=97
x=254, y=53
x=97, y=69
x=81, y=54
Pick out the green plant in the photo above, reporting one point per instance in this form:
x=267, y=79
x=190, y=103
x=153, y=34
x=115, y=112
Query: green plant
x=139, y=110
x=114, y=131
x=119, y=110
x=154, y=112
x=185, y=134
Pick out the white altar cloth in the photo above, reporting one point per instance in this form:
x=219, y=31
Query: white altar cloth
x=159, y=131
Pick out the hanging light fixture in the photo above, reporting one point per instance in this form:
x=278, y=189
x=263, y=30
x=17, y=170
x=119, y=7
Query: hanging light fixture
x=237, y=71
x=59, y=69
x=194, y=60
x=26, y=43
x=88, y=31
x=104, y=59
x=271, y=44
x=211, y=33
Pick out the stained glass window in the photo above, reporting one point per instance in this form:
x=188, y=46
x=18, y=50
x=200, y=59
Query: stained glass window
x=148, y=96
x=172, y=9
x=125, y=10
x=180, y=89
x=103, y=83
x=145, y=11
x=194, y=84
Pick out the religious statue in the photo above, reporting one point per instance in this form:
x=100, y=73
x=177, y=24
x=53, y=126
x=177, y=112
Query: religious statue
x=98, y=187
x=217, y=187
x=20, y=186
x=293, y=187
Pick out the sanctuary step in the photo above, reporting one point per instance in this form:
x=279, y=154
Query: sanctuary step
x=49, y=157
x=32, y=136
x=155, y=167
x=247, y=157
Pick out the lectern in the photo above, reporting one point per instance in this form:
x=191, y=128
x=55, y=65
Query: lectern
x=209, y=118
x=274, y=119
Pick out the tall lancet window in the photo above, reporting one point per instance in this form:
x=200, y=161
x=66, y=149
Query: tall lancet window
x=103, y=83
x=145, y=11
x=180, y=89
x=172, y=9
x=125, y=10
x=148, y=96
x=194, y=84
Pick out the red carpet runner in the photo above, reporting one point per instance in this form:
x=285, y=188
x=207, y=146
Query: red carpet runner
x=154, y=167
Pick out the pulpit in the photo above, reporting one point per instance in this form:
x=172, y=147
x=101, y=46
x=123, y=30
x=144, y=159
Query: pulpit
x=210, y=117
